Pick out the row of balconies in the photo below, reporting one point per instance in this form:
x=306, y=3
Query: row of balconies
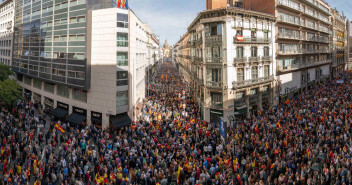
x=251, y=82
x=296, y=37
x=303, y=51
x=252, y=59
x=297, y=7
x=241, y=39
x=299, y=66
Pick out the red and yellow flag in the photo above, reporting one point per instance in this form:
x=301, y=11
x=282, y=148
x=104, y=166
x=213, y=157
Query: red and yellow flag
x=178, y=174
x=308, y=152
x=193, y=120
x=266, y=145
x=278, y=124
x=305, y=126
x=59, y=128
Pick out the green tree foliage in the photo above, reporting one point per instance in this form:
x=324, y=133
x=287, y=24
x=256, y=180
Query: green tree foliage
x=10, y=92
x=5, y=72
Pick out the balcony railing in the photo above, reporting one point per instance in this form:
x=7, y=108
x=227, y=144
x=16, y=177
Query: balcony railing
x=199, y=41
x=217, y=105
x=318, y=5
x=215, y=85
x=253, y=59
x=288, y=36
x=267, y=58
x=244, y=83
x=213, y=39
x=289, y=52
x=289, y=3
x=214, y=60
x=240, y=39
x=298, y=66
x=237, y=60
x=199, y=59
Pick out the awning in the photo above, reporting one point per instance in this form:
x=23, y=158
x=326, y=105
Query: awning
x=241, y=110
x=120, y=120
x=75, y=118
x=59, y=112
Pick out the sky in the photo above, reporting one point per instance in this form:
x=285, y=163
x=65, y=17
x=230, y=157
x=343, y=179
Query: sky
x=170, y=18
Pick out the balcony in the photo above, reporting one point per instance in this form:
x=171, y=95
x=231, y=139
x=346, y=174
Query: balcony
x=216, y=105
x=240, y=39
x=309, y=51
x=318, y=6
x=253, y=59
x=213, y=40
x=287, y=36
x=289, y=4
x=199, y=41
x=288, y=68
x=267, y=58
x=239, y=60
x=289, y=52
x=199, y=81
x=252, y=82
x=214, y=60
x=214, y=85
x=198, y=59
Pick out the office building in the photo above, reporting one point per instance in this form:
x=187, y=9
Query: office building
x=86, y=62
x=227, y=58
x=7, y=9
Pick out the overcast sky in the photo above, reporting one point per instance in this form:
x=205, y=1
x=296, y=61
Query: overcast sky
x=170, y=18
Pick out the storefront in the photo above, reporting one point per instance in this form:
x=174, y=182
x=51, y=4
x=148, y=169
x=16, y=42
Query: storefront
x=48, y=103
x=96, y=118
x=215, y=115
x=77, y=116
x=27, y=94
x=60, y=111
x=37, y=98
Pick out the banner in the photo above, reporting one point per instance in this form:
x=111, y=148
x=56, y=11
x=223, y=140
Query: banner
x=223, y=130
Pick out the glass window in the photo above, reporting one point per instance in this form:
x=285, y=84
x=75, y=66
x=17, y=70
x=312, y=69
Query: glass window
x=122, y=59
x=81, y=37
x=240, y=74
x=254, y=72
x=80, y=95
x=71, y=74
x=266, y=70
x=81, y=19
x=63, y=91
x=49, y=87
x=80, y=75
x=121, y=98
x=122, y=78
x=254, y=51
x=122, y=39
x=122, y=17
x=28, y=80
x=266, y=51
x=239, y=52
x=73, y=19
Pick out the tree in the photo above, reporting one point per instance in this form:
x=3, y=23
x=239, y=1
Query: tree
x=5, y=72
x=10, y=92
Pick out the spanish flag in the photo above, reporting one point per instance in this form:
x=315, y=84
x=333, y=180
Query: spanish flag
x=180, y=107
x=118, y=3
x=287, y=101
x=193, y=120
x=37, y=182
x=178, y=174
x=266, y=145
x=278, y=124
x=308, y=152
x=285, y=143
x=59, y=128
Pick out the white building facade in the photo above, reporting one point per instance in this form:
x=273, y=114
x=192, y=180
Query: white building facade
x=6, y=31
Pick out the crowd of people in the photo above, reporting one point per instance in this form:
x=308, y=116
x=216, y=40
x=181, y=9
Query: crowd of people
x=304, y=141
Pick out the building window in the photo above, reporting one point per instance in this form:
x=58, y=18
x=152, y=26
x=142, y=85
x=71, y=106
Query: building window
x=80, y=95
x=254, y=91
x=216, y=99
x=122, y=39
x=77, y=75
x=78, y=19
x=121, y=98
x=239, y=52
x=240, y=74
x=37, y=83
x=254, y=51
x=266, y=51
x=216, y=75
x=28, y=80
x=240, y=95
x=253, y=34
x=63, y=91
x=122, y=59
x=49, y=87
x=122, y=20
x=254, y=72
x=77, y=2
x=266, y=71
x=122, y=78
